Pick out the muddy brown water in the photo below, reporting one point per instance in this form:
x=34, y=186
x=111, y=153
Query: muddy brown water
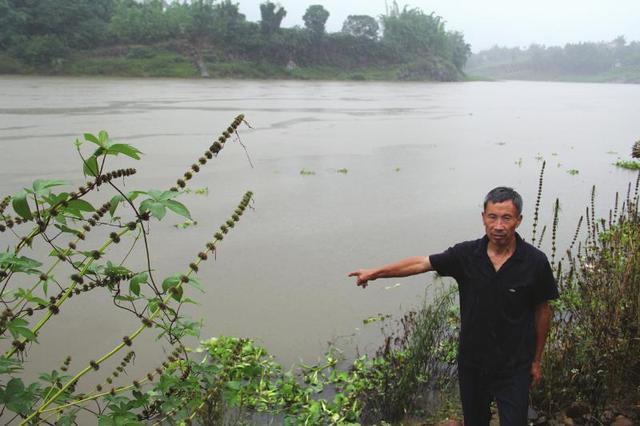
x=419, y=158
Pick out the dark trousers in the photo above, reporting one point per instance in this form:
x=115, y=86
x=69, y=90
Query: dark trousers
x=510, y=391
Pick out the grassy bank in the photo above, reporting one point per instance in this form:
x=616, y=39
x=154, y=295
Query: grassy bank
x=144, y=61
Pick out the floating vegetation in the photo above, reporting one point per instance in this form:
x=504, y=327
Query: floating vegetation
x=199, y=191
x=397, y=169
x=555, y=154
x=628, y=164
x=539, y=157
x=186, y=224
x=375, y=318
x=573, y=172
x=343, y=171
x=519, y=162
x=306, y=172
x=501, y=143
x=612, y=152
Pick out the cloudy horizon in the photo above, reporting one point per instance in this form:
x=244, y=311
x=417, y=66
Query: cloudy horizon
x=492, y=22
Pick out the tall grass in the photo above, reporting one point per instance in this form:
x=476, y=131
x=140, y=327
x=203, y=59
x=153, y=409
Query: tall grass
x=593, y=352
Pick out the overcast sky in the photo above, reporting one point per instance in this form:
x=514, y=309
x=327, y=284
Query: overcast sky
x=489, y=22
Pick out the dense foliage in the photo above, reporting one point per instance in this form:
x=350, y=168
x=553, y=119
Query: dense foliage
x=614, y=60
x=46, y=34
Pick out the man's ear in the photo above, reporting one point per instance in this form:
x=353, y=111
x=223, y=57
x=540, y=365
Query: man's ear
x=519, y=221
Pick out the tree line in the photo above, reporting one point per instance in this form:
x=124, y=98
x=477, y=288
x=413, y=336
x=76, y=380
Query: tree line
x=579, y=59
x=41, y=31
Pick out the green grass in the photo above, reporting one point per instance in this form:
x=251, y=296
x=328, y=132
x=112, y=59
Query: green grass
x=10, y=65
x=142, y=62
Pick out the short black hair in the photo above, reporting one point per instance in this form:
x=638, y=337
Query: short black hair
x=502, y=194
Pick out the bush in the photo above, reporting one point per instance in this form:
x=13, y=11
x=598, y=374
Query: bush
x=40, y=50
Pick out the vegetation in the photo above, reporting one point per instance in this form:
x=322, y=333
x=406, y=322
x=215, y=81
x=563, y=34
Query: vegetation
x=629, y=165
x=212, y=38
x=616, y=61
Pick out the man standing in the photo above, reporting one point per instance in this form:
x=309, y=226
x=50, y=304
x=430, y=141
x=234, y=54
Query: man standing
x=505, y=285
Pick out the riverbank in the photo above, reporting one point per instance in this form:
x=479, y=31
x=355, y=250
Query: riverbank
x=625, y=75
x=159, y=61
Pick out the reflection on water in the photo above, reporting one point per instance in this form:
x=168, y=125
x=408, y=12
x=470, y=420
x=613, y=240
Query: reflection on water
x=419, y=156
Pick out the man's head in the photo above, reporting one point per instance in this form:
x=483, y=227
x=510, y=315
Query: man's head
x=502, y=215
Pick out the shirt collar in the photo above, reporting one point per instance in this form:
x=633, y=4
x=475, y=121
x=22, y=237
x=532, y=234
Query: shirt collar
x=519, y=254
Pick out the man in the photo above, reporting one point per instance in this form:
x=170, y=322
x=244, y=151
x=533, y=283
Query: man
x=505, y=285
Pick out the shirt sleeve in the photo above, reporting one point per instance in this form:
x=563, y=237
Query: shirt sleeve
x=446, y=263
x=546, y=287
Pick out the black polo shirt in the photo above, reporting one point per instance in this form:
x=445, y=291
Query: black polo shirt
x=497, y=330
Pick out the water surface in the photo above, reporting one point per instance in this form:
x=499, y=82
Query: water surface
x=420, y=158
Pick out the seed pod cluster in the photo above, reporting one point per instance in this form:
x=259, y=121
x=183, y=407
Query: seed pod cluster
x=7, y=315
x=120, y=369
x=65, y=364
x=19, y=345
x=537, y=207
x=224, y=229
x=213, y=151
x=108, y=177
x=10, y=222
x=4, y=203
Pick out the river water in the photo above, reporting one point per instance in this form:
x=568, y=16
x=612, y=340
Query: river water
x=419, y=158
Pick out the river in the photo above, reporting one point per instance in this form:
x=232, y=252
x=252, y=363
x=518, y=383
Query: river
x=419, y=157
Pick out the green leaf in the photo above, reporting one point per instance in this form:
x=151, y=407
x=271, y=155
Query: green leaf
x=112, y=269
x=19, y=263
x=113, y=205
x=42, y=186
x=103, y=137
x=234, y=385
x=90, y=166
x=134, y=284
x=121, y=148
x=170, y=282
x=91, y=138
x=81, y=205
x=156, y=208
x=8, y=365
x=195, y=283
x=66, y=229
x=173, y=282
x=18, y=327
x=21, y=206
x=178, y=208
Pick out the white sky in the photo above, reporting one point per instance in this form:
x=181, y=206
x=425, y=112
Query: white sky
x=489, y=22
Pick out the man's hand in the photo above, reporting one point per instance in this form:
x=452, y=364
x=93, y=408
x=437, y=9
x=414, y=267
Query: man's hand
x=363, y=276
x=536, y=373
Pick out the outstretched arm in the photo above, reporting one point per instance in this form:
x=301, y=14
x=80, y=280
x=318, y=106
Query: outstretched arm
x=404, y=268
x=542, y=324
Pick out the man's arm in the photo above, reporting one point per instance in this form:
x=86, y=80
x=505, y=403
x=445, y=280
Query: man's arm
x=542, y=322
x=404, y=268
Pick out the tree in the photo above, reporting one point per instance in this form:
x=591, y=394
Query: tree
x=11, y=23
x=315, y=19
x=139, y=22
x=414, y=32
x=459, y=50
x=361, y=26
x=271, y=18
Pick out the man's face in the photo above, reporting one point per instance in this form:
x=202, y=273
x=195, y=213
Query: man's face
x=500, y=222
